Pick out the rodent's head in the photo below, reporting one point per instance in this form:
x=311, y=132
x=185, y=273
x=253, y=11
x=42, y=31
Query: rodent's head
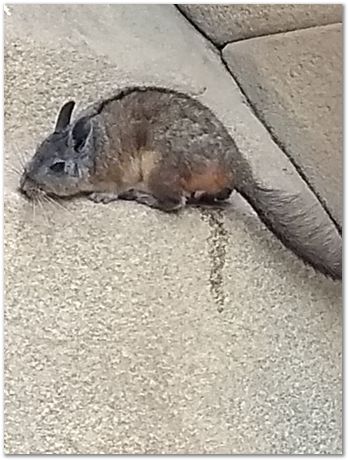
x=62, y=163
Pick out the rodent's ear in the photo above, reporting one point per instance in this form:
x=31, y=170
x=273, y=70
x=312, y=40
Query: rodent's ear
x=64, y=116
x=80, y=133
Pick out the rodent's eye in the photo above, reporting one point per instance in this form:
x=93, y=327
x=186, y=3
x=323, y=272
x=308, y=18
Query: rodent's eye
x=58, y=167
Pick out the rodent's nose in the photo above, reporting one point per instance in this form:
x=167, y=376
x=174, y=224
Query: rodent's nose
x=25, y=184
x=28, y=187
x=22, y=182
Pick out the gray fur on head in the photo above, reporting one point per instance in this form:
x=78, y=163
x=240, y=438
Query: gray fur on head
x=62, y=163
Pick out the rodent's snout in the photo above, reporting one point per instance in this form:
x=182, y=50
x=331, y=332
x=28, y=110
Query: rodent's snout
x=27, y=187
x=22, y=182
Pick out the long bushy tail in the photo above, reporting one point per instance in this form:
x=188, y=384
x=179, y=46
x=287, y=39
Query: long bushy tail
x=301, y=225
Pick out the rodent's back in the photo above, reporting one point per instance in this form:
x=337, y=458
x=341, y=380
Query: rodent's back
x=176, y=125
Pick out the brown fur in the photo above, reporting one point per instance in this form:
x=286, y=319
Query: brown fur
x=211, y=179
x=143, y=150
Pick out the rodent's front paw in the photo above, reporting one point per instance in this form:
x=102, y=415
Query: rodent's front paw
x=104, y=198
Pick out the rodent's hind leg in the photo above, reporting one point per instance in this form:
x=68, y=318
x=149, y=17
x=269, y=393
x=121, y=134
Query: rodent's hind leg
x=129, y=195
x=223, y=195
x=209, y=198
x=165, y=190
x=101, y=197
x=168, y=205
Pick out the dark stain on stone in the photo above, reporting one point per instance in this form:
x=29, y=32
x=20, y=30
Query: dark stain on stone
x=217, y=242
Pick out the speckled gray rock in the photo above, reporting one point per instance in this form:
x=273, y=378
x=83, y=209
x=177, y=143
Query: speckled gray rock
x=115, y=341
x=131, y=331
x=294, y=81
x=228, y=23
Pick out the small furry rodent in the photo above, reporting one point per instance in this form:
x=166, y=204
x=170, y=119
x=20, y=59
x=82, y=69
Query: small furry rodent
x=162, y=148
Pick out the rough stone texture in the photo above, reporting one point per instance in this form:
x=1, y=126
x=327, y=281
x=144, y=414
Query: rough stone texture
x=228, y=23
x=115, y=341
x=294, y=81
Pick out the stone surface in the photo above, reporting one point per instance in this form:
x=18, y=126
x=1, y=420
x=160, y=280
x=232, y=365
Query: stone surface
x=228, y=23
x=131, y=331
x=294, y=81
x=115, y=342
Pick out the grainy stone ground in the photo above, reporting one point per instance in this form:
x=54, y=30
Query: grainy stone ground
x=132, y=331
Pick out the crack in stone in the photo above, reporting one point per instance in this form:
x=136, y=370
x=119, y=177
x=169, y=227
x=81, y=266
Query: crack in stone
x=217, y=242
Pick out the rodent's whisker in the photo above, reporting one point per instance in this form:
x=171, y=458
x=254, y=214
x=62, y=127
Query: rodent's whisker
x=15, y=170
x=34, y=210
x=19, y=154
x=50, y=202
x=40, y=203
x=57, y=204
x=22, y=159
x=17, y=161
